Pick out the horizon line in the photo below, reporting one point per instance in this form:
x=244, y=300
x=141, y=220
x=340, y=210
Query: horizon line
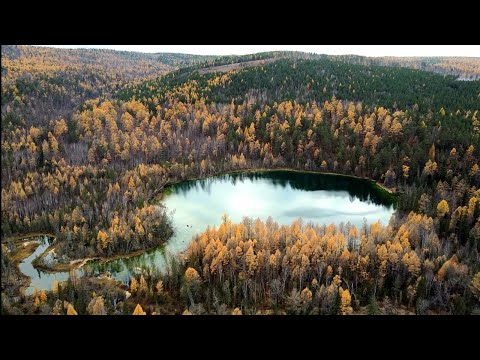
x=229, y=52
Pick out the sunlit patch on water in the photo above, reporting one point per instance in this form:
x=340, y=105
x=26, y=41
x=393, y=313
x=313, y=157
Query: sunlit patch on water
x=284, y=196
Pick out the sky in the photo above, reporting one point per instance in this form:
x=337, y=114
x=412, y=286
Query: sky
x=366, y=50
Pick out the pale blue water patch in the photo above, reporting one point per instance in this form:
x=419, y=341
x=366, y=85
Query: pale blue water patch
x=284, y=196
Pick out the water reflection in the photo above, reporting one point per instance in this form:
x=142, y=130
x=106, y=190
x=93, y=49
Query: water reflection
x=363, y=190
x=285, y=196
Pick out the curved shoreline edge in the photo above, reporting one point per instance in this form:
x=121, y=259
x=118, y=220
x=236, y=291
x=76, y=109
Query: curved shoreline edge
x=79, y=263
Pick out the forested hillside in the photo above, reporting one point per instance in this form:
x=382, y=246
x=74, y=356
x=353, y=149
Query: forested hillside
x=40, y=84
x=86, y=148
x=462, y=67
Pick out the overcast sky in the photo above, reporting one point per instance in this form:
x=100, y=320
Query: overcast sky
x=367, y=50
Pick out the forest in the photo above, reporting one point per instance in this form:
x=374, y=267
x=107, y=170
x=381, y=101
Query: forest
x=91, y=137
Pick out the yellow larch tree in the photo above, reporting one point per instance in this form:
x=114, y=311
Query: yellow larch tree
x=346, y=300
x=133, y=285
x=53, y=143
x=131, y=183
x=139, y=311
x=430, y=168
x=237, y=311
x=251, y=261
x=60, y=127
x=442, y=209
x=159, y=287
x=143, y=288
x=102, y=237
x=43, y=297
x=306, y=295
x=36, y=302
x=97, y=306
x=431, y=152
x=191, y=275
x=474, y=170
x=472, y=203
x=71, y=310
x=55, y=287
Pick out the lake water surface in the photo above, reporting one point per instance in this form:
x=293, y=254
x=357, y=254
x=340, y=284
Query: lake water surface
x=283, y=195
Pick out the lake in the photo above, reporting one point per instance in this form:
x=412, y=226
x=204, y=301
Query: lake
x=283, y=195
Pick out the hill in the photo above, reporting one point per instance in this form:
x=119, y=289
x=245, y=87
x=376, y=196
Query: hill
x=40, y=83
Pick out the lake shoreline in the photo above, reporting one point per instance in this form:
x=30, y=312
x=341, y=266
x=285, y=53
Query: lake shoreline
x=79, y=263
x=22, y=237
x=391, y=191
